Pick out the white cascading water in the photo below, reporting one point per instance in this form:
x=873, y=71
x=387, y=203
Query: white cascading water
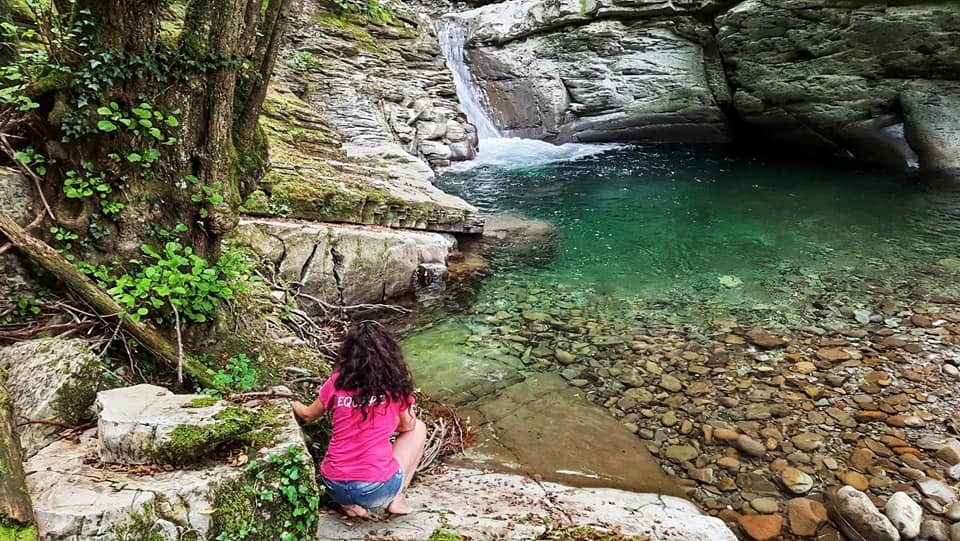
x=452, y=37
x=495, y=149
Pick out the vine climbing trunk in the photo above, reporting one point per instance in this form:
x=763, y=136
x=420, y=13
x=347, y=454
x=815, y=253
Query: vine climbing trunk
x=205, y=68
x=17, y=520
x=54, y=263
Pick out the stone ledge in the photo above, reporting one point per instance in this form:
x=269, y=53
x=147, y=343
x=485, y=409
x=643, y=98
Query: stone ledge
x=486, y=506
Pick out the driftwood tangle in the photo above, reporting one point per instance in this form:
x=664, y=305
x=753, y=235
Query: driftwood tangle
x=48, y=258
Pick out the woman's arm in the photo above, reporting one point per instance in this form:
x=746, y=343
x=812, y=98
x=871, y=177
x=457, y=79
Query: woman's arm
x=309, y=413
x=408, y=420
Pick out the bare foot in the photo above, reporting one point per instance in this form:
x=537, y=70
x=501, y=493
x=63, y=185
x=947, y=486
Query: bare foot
x=355, y=511
x=399, y=506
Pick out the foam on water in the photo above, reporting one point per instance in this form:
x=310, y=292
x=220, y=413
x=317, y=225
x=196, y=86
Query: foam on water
x=515, y=153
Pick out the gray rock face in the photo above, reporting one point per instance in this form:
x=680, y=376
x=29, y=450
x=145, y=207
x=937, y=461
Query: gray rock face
x=355, y=113
x=17, y=201
x=905, y=514
x=597, y=79
x=856, y=516
x=50, y=379
x=931, y=112
x=831, y=79
x=358, y=264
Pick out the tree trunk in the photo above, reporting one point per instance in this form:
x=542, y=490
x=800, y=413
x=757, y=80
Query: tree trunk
x=7, y=43
x=48, y=258
x=17, y=521
x=223, y=56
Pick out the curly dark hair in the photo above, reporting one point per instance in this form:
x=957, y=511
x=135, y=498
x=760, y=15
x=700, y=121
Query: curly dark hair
x=371, y=365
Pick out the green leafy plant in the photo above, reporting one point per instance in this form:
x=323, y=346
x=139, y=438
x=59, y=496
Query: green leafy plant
x=238, y=375
x=36, y=161
x=176, y=280
x=285, y=479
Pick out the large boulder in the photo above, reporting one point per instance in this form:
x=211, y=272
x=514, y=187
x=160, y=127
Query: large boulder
x=50, y=379
x=355, y=264
x=831, y=78
x=146, y=424
x=76, y=497
x=565, y=71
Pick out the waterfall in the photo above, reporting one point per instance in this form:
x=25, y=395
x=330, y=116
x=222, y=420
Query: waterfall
x=496, y=150
x=452, y=35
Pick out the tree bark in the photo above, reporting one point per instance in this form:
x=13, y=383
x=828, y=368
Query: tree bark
x=48, y=258
x=17, y=520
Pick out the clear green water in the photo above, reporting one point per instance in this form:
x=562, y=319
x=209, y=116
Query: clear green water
x=697, y=225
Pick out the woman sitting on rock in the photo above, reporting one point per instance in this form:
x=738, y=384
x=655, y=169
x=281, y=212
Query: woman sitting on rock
x=371, y=396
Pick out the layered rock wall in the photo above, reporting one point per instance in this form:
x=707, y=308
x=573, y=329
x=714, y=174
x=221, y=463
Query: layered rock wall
x=846, y=79
x=358, y=111
x=563, y=71
x=875, y=82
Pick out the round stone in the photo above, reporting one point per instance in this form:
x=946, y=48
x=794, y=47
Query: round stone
x=796, y=481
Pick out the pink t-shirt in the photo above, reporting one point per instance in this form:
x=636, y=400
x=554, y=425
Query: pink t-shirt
x=359, y=450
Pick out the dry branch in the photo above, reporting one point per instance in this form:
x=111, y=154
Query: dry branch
x=48, y=258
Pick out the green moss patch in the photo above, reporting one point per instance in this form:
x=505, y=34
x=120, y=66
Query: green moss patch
x=10, y=531
x=202, y=402
x=235, y=427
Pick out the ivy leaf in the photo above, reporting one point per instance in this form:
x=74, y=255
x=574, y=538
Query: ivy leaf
x=134, y=157
x=107, y=126
x=172, y=121
x=105, y=111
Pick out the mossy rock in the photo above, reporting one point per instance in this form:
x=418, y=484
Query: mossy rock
x=236, y=426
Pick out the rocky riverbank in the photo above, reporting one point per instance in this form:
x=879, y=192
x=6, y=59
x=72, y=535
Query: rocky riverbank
x=761, y=418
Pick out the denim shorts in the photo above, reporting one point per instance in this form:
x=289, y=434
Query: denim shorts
x=364, y=494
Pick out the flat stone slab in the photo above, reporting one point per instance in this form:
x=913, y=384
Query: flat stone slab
x=363, y=264
x=484, y=506
x=545, y=427
x=50, y=379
